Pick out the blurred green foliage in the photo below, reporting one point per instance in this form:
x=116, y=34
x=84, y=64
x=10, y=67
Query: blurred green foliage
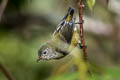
x=110, y=74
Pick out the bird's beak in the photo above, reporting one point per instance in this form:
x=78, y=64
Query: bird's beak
x=39, y=59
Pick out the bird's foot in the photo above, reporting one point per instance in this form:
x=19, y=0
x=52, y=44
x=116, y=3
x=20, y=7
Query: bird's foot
x=81, y=46
x=80, y=22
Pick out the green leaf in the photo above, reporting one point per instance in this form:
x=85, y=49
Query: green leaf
x=91, y=3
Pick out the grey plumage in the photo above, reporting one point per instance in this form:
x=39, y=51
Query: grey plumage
x=58, y=47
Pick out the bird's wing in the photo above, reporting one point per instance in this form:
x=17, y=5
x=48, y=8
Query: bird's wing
x=59, y=27
x=57, y=33
x=75, y=38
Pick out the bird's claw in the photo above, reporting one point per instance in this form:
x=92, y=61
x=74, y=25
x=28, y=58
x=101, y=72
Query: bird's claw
x=81, y=46
x=80, y=22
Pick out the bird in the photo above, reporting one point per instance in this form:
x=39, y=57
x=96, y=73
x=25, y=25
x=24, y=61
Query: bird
x=64, y=39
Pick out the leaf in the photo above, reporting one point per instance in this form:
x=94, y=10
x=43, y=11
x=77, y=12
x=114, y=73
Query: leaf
x=91, y=3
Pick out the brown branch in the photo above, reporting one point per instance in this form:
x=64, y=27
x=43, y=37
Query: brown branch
x=6, y=73
x=2, y=7
x=80, y=7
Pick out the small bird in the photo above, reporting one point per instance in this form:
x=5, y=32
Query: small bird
x=60, y=45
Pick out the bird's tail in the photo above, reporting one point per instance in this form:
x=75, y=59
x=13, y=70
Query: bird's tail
x=69, y=16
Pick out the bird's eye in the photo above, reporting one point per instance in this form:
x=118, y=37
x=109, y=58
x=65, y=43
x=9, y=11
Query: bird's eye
x=44, y=52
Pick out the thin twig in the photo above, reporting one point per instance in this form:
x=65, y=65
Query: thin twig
x=80, y=6
x=84, y=47
x=2, y=7
x=6, y=73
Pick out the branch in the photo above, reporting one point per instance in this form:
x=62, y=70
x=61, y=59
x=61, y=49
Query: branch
x=80, y=7
x=6, y=73
x=2, y=8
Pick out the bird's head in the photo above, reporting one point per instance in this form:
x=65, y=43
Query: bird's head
x=46, y=53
